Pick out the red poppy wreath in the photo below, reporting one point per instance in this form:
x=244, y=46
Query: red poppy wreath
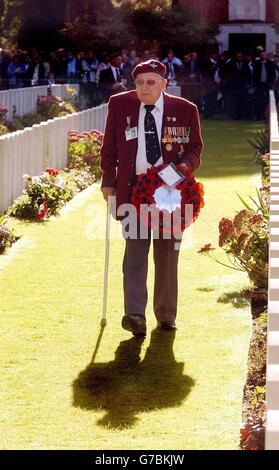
x=154, y=203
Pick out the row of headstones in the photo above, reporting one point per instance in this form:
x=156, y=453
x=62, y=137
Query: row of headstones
x=272, y=372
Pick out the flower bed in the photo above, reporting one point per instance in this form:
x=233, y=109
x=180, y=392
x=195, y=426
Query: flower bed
x=47, y=107
x=45, y=194
x=245, y=239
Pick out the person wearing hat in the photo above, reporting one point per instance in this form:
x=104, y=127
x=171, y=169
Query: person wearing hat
x=124, y=156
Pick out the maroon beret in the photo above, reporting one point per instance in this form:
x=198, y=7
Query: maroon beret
x=150, y=66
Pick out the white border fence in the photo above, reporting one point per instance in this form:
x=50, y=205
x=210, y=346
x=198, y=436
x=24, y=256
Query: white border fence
x=24, y=99
x=272, y=395
x=34, y=148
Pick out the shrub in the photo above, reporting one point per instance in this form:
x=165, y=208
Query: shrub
x=72, y=97
x=3, y=111
x=260, y=143
x=3, y=129
x=7, y=238
x=28, y=120
x=50, y=106
x=245, y=239
x=84, y=151
x=44, y=195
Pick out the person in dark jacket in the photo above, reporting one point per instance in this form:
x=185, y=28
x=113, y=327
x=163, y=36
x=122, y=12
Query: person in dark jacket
x=264, y=78
x=238, y=86
x=36, y=72
x=112, y=80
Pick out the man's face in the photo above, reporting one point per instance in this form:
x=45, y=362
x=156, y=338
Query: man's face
x=149, y=87
x=263, y=55
x=116, y=62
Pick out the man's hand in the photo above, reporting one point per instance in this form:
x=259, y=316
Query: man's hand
x=108, y=192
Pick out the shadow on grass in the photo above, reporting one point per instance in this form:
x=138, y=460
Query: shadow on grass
x=237, y=299
x=127, y=386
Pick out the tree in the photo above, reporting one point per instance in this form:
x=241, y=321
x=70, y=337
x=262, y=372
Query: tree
x=142, y=25
x=25, y=23
x=10, y=22
x=104, y=26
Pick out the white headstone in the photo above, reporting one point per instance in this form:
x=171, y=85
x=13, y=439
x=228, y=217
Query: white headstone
x=247, y=10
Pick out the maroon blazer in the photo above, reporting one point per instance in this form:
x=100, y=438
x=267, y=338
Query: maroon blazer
x=118, y=156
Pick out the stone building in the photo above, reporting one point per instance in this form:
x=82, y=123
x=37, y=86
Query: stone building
x=243, y=24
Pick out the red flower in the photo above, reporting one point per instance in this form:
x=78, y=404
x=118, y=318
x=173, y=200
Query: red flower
x=42, y=211
x=52, y=171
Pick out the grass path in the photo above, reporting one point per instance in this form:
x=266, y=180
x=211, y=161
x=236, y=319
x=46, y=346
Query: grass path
x=160, y=393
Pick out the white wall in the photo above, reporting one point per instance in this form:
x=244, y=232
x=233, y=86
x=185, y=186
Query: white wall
x=25, y=99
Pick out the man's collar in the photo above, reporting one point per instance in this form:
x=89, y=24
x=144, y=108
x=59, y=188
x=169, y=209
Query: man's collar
x=159, y=103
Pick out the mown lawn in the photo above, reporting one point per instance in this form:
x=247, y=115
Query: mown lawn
x=65, y=384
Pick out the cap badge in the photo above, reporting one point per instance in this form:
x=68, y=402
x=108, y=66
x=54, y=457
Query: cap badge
x=153, y=65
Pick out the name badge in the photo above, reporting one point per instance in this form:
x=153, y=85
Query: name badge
x=131, y=133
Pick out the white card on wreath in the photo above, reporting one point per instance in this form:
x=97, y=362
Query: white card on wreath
x=171, y=175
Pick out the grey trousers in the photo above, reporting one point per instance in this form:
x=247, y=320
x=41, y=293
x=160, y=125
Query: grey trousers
x=135, y=266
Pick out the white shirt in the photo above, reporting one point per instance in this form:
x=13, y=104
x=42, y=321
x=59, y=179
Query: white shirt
x=175, y=61
x=36, y=73
x=141, y=160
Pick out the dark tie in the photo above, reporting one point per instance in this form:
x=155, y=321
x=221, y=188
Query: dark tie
x=118, y=77
x=153, y=151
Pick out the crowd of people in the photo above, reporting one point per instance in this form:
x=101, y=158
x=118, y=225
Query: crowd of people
x=236, y=84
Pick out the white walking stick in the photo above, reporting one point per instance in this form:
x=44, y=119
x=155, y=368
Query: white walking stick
x=105, y=292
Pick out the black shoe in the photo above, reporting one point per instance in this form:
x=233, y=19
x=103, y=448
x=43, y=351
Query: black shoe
x=167, y=325
x=135, y=324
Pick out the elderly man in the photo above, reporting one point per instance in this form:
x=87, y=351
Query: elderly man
x=124, y=155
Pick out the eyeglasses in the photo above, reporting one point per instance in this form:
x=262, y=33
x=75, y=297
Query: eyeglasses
x=139, y=83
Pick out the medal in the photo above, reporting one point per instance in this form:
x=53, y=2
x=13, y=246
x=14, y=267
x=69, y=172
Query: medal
x=181, y=153
x=168, y=147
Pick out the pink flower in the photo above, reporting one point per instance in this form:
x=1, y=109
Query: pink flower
x=256, y=218
x=265, y=157
x=266, y=187
x=226, y=229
